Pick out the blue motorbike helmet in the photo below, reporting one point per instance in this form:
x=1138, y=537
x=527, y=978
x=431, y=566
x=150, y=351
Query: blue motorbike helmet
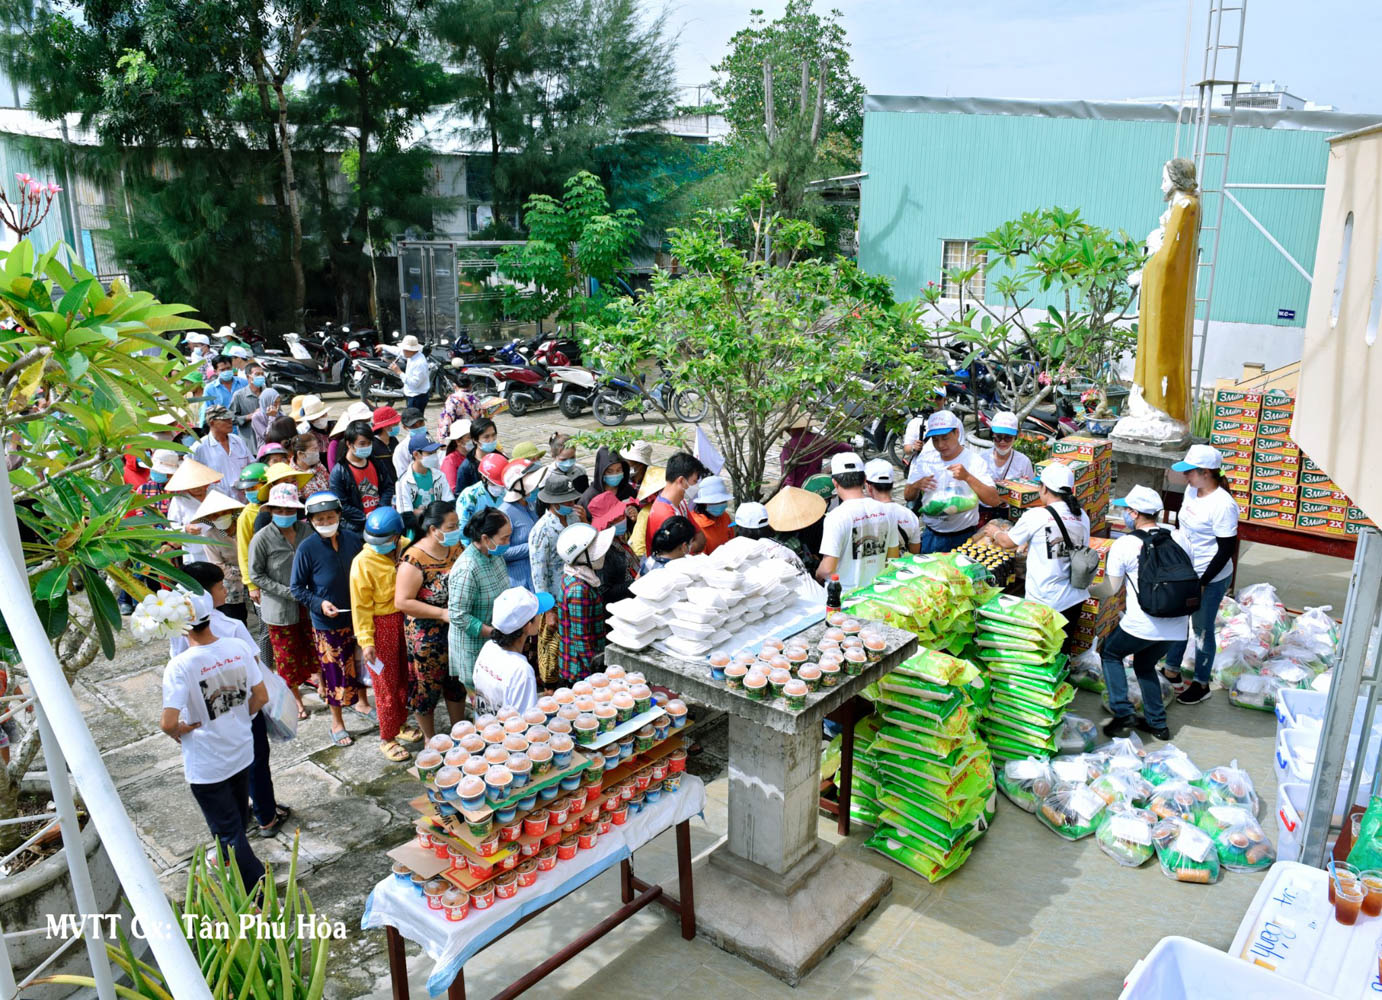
x=383, y=524
x=322, y=501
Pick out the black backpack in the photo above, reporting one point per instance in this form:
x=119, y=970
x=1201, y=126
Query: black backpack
x=1168, y=586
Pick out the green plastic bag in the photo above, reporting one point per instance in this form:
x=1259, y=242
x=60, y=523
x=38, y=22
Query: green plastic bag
x=1366, y=852
x=949, y=503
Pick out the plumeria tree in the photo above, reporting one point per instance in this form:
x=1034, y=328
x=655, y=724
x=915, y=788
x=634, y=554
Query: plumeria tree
x=769, y=333
x=83, y=370
x=30, y=206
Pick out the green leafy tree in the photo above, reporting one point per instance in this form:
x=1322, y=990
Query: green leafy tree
x=766, y=343
x=82, y=372
x=1034, y=349
x=571, y=243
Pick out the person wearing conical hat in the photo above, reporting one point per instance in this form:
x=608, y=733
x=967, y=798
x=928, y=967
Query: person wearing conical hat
x=189, y=487
x=795, y=514
x=216, y=515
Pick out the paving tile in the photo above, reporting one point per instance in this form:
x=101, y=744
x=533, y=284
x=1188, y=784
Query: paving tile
x=142, y=758
x=962, y=948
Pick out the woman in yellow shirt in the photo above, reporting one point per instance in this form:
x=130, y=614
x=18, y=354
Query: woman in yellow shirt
x=379, y=629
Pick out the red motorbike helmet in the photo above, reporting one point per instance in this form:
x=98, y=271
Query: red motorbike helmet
x=492, y=468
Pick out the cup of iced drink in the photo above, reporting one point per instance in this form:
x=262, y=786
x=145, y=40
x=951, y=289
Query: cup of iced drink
x=1339, y=870
x=1372, y=887
x=1348, y=900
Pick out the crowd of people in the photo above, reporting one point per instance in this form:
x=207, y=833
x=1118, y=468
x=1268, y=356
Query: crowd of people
x=392, y=570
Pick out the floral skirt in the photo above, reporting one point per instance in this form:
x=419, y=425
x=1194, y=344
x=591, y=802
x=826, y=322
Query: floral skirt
x=294, y=655
x=336, y=651
x=427, y=661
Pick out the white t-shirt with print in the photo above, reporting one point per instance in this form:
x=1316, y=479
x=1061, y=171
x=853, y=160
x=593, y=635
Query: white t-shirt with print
x=908, y=524
x=1123, y=556
x=1048, y=560
x=859, y=533
x=211, y=685
x=1203, y=521
x=504, y=678
x=929, y=463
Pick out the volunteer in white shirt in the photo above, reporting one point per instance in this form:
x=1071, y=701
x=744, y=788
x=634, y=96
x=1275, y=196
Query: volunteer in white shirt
x=209, y=693
x=1208, y=530
x=755, y=535
x=1139, y=635
x=1048, y=556
x=503, y=676
x=859, y=536
x=417, y=377
x=879, y=479
x=949, y=467
x=1003, y=461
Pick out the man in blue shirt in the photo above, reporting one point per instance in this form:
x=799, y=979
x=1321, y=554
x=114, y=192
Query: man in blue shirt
x=225, y=385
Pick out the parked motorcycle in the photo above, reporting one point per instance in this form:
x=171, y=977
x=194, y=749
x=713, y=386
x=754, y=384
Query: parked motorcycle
x=310, y=366
x=618, y=397
x=576, y=388
x=380, y=384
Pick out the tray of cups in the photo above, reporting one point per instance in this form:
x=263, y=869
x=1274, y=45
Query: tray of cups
x=640, y=761
x=620, y=730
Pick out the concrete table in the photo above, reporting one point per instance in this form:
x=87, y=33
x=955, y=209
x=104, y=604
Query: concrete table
x=775, y=893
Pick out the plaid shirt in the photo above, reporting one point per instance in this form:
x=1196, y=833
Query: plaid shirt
x=581, y=628
x=152, y=489
x=474, y=582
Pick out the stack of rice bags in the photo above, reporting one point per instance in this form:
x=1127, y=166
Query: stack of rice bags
x=1017, y=643
x=927, y=776
x=932, y=596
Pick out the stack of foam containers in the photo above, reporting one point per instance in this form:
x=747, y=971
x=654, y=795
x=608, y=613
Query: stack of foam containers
x=1299, y=722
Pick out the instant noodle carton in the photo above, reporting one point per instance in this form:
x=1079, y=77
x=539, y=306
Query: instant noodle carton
x=1356, y=515
x=1272, y=517
x=1322, y=525
x=1082, y=469
x=1091, y=449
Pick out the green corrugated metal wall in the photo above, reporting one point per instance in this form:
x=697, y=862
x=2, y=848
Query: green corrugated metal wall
x=933, y=177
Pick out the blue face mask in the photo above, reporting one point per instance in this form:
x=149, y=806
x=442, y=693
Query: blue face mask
x=364, y=452
x=715, y=510
x=285, y=520
x=499, y=550
x=566, y=464
x=158, y=477
x=613, y=481
x=620, y=527
x=385, y=548
x=451, y=538
x=393, y=431
x=259, y=381
x=1130, y=519
x=226, y=375
x=489, y=446
x=566, y=511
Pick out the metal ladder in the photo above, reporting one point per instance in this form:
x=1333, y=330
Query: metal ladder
x=1223, y=34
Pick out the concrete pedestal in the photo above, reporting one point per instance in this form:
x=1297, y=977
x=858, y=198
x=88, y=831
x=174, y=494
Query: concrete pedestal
x=775, y=893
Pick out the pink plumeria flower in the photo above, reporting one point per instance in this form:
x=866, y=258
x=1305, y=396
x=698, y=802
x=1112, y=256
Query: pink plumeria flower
x=53, y=189
x=34, y=188
x=23, y=179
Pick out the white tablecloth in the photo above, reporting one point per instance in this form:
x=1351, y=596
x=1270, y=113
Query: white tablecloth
x=451, y=944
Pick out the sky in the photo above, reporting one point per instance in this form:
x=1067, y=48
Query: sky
x=1322, y=50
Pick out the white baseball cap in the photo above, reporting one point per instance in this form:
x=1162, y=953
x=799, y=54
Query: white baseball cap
x=845, y=462
x=165, y=461
x=1004, y=422
x=517, y=606
x=1058, y=478
x=202, y=606
x=941, y=422
x=1142, y=499
x=1200, y=456
x=879, y=471
x=751, y=515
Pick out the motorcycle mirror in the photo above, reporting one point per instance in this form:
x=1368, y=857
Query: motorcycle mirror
x=455, y=362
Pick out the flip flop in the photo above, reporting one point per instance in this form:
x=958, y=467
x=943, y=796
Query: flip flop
x=341, y=738
x=303, y=713
x=280, y=818
x=409, y=735
x=372, y=715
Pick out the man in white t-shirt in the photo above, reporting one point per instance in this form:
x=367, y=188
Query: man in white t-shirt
x=860, y=535
x=1139, y=635
x=503, y=676
x=948, y=468
x=879, y=479
x=209, y=693
x=1003, y=460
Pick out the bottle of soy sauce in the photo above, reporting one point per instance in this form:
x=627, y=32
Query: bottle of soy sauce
x=833, y=594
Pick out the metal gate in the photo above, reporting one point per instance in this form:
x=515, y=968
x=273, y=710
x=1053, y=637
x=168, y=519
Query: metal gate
x=427, y=289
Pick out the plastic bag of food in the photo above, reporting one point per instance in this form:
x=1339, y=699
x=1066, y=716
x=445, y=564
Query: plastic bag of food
x=1122, y=786
x=1071, y=811
x=1186, y=853
x=952, y=498
x=1178, y=799
x=1230, y=663
x=1077, y=734
x=1134, y=689
x=1241, y=842
x=1087, y=671
x=1313, y=639
x=1169, y=764
x=1026, y=782
x=1264, y=609
x=1228, y=607
x=1079, y=768
x=1125, y=835
x=1230, y=785
x=1120, y=745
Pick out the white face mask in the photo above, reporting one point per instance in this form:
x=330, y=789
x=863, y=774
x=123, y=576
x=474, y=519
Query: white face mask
x=223, y=522
x=432, y=460
x=326, y=530
x=312, y=459
x=320, y=424
x=691, y=492
x=495, y=491
x=1003, y=449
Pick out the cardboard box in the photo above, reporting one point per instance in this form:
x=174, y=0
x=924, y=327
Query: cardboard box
x=1020, y=493
x=1245, y=413
x=1083, y=446
x=1326, y=525
x=1310, y=466
x=1353, y=527
x=1323, y=509
x=1278, y=398
x=1241, y=440
x=1274, y=431
x=1276, y=415
x=1248, y=397
x=1227, y=425
x=1271, y=474
x=1287, y=491
x=1356, y=515
x=1275, y=505
x=1325, y=493
x=1269, y=515
x=1313, y=477
x=1285, y=461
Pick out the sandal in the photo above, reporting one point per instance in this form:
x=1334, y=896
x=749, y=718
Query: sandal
x=371, y=715
x=341, y=738
x=280, y=817
x=393, y=751
x=303, y=714
x=409, y=734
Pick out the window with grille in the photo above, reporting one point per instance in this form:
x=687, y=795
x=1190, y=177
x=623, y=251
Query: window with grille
x=961, y=254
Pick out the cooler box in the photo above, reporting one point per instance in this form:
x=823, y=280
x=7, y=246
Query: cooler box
x=1183, y=969
x=1291, y=797
x=1296, y=704
x=1296, y=750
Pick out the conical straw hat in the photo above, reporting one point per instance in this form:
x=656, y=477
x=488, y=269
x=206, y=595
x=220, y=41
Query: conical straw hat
x=215, y=503
x=794, y=508
x=653, y=481
x=190, y=475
